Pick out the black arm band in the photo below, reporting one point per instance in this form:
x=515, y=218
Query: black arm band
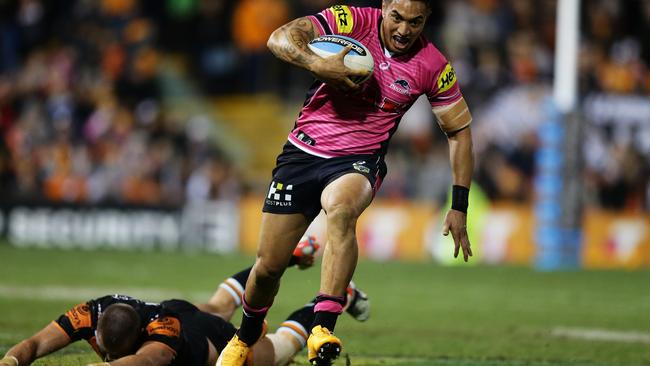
x=459, y=198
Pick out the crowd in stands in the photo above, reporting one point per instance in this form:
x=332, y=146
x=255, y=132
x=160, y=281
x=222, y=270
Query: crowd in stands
x=83, y=116
x=503, y=55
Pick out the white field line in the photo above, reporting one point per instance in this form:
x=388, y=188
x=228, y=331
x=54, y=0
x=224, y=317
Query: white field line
x=68, y=293
x=594, y=334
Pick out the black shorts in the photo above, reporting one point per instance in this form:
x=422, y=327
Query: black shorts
x=299, y=178
x=197, y=327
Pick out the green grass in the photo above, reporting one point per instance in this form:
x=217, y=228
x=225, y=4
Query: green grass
x=422, y=314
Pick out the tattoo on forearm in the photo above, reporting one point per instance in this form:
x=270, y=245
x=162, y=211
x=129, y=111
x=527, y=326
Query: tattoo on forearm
x=294, y=48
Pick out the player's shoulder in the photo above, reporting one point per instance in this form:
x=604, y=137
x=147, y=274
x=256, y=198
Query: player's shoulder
x=349, y=19
x=435, y=59
x=349, y=10
x=368, y=15
x=168, y=325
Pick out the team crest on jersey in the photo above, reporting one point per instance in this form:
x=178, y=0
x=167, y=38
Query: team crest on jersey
x=279, y=194
x=447, y=79
x=343, y=16
x=401, y=86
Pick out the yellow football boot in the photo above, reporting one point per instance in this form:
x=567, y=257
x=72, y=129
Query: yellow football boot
x=234, y=354
x=322, y=347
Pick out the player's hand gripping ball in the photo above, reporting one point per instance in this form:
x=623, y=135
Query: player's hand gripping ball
x=305, y=251
x=359, y=57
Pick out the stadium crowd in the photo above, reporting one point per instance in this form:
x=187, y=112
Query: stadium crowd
x=84, y=118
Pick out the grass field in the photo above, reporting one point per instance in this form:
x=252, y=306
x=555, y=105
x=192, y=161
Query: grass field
x=422, y=314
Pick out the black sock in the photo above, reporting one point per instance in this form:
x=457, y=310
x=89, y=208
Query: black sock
x=303, y=316
x=242, y=277
x=326, y=320
x=252, y=323
x=327, y=310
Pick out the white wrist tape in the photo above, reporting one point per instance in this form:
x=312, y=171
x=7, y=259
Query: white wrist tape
x=10, y=359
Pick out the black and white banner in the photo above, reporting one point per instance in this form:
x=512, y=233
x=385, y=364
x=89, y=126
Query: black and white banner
x=211, y=227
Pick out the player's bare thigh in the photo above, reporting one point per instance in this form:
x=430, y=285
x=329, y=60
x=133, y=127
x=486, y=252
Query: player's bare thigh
x=212, y=354
x=352, y=191
x=221, y=304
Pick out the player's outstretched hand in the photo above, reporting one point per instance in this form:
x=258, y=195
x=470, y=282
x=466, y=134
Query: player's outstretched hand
x=456, y=223
x=334, y=73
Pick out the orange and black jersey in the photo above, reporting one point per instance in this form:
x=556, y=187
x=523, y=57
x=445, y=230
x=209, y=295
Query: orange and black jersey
x=175, y=323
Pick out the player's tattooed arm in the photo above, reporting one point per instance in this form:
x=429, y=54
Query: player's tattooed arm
x=289, y=42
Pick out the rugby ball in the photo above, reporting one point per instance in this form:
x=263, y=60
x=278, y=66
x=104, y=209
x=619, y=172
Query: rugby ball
x=359, y=57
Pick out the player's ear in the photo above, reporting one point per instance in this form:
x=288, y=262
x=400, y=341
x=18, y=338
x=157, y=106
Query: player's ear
x=384, y=6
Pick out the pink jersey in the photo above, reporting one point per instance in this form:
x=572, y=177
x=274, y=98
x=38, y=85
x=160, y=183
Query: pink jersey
x=332, y=123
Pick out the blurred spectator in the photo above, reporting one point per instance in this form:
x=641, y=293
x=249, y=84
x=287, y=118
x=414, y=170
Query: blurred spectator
x=215, y=56
x=253, y=23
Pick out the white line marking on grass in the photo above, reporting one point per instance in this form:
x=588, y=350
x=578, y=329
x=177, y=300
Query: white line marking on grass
x=594, y=334
x=84, y=293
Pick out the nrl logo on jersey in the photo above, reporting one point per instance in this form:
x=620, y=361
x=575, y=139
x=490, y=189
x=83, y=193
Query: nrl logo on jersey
x=401, y=86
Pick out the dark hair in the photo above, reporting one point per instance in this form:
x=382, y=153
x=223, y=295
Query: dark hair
x=119, y=329
x=429, y=3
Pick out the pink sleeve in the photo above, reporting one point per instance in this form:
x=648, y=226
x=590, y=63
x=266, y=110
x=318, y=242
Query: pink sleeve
x=444, y=86
x=340, y=19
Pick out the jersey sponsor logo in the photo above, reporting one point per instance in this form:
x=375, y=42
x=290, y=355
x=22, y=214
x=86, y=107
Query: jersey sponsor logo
x=401, y=86
x=166, y=326
x=122, y=297
x=389, y=105
x=360, y=166
x=343, y=16
x=447, y=79
x=79, y=316
x=279, y=194
x=305, y=138
x=344, y=43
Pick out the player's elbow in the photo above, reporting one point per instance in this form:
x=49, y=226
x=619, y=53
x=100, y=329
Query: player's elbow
x=28, y=348
x=273, y=43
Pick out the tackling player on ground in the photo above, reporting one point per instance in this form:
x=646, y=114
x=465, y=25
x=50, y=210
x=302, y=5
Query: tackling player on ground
x=334, y=157
x=126, y=331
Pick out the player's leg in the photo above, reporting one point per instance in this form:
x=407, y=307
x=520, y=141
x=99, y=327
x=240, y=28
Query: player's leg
x=227, y=297
x=279, y=234
x=343, y=200
x=291, y=337
x=278, y=237
x=357, y=303
x=288, y=340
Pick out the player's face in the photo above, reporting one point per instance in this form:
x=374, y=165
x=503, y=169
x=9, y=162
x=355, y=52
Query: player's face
x=402, y=24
